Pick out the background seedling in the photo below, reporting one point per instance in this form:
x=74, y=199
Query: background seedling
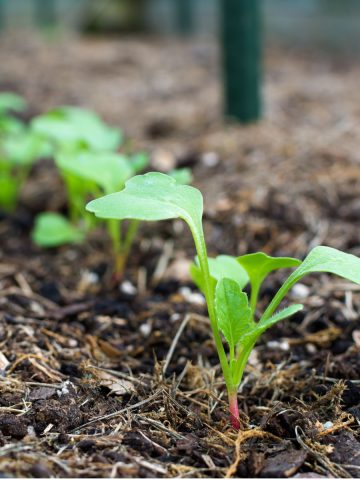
x=52, y=229
x=70, y=128
x=10, y=103
x=19, y=148
x=156, y=196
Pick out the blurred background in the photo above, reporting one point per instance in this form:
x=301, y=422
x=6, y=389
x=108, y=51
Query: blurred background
x=311, y=23
x=154, y=69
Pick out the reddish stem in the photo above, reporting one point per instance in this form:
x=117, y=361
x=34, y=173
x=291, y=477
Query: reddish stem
x=234, y=410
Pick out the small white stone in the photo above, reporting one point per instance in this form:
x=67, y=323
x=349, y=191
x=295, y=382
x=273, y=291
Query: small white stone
x=89, y=278
x=145, y=329
x=275, y=345
x=310, y=348
x=175, y=317
x=128, y=288
x=328, y=425
x=210, y=159
x=300, y=290
x=73, y=343
x=192, y=297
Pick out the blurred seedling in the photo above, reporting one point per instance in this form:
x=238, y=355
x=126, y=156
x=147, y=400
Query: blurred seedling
x=19, y=148
x=11, y=103
x=72, y=128
x=233, y=318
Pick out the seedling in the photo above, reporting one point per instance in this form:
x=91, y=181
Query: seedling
x=10, y=102
x=52, y=229
x=156, y=196
x=71, y=128
x=18, y=151
x=90, y=174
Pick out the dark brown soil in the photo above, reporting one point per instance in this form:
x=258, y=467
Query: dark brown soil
x=88, y=387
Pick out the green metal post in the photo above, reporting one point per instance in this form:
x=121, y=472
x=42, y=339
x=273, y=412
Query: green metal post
x=45, y=13
x=241, y=59
x=184, y=16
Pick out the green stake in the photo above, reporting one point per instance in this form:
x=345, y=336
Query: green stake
x=241, y=59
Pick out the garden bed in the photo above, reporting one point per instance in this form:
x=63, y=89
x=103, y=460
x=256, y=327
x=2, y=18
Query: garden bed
x=91, y=385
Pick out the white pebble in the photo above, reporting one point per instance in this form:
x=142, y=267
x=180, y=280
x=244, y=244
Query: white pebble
x=192, y=297
x=128, y=288
x=210, y=159
x=89, y=278
x=328, y=425
x=300, y=290
x=145, y=329
x=275, y=345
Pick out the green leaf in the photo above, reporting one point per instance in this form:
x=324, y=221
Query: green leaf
x=106, y=169
x=153, y=196
x=69, y=125
x=277, y=317
x=10, y=125
x=259, y=265
x=139, y=161
x=234, y=315
x=183, y=176
x=11, y=101
x=320, y=259
x=223, y=266
x=23, y=148
x=53, y=230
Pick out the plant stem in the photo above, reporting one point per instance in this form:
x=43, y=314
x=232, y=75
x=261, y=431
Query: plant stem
x=200, y=246
x=113, y=226
x=255, y=287
x=129, y=237
x=234, y=409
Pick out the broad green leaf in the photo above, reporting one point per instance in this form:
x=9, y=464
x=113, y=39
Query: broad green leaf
x=67, y=125
x=23, y=148
x=10, y=125
x=320, y=259
x=183, y=176
x=106, y=169
x=153, y=196
x=11, y=101
x=259, y=265
x=233, y=313
x=53, y=230
x=223, y=266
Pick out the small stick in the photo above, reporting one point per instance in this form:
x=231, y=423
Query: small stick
x=174, y=343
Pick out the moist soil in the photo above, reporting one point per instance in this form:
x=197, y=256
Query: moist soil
x=121, y=379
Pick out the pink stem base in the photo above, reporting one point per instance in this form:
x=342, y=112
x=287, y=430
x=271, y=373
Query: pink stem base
x=234, y=411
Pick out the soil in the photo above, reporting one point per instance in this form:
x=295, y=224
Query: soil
x=90, y=386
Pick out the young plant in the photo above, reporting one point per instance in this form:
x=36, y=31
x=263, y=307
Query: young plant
x=9, y=103
x=156, y=196
x=90, y=174
x=71, y=128
x=52, y=229
x=18, y=151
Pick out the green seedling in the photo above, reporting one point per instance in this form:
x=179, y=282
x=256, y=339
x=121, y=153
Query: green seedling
x=156, y=196
x=52, y=229
x=71, y=128
x=90, y=174
x=10, y=103
x=18, y=151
